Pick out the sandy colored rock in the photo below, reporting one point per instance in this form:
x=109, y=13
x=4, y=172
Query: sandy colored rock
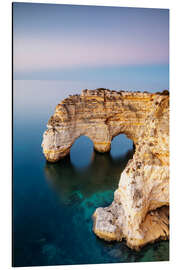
x=139, y=212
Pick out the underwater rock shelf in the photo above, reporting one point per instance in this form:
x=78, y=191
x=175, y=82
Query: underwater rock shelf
x=139, y=212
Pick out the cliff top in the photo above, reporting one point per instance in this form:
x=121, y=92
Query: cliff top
x=110, y=94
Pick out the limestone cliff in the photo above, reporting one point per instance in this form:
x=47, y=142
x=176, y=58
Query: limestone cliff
x=139, y=212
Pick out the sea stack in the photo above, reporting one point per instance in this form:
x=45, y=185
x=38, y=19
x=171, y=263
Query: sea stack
x=139, y=212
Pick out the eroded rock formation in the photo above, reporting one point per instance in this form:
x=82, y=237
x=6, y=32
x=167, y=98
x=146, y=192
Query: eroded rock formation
x=139, y=212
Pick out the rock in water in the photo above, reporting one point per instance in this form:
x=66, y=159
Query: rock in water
x=139, y=212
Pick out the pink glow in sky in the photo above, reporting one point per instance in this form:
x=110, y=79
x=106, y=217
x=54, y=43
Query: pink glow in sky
x=38, y=54
x=48, y=37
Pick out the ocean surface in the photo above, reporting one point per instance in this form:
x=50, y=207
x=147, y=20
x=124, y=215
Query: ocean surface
x=53, y=203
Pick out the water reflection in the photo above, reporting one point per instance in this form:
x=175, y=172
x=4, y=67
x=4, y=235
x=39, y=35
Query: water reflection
x=80, y=192
x=102, y=174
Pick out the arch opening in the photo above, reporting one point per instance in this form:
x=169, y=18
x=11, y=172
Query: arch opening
x=120, y=146
x=81, y=152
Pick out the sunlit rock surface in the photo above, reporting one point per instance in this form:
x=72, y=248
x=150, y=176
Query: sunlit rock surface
x=139, y=212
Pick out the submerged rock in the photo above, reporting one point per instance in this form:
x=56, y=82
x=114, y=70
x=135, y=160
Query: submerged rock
x=139, y=212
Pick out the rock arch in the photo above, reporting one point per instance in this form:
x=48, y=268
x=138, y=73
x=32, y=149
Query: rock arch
x=101, y=115
x=139, y=211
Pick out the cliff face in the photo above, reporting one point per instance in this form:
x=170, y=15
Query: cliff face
x=144, y=184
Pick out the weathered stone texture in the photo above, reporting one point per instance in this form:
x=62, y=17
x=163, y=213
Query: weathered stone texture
x=144, y=184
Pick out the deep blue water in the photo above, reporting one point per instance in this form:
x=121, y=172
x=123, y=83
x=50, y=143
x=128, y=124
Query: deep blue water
x=53, y=203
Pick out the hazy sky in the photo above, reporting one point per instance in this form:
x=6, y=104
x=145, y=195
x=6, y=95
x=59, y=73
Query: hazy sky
x=86, y=43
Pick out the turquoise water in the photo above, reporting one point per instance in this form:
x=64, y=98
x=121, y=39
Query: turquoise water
x=53, y=203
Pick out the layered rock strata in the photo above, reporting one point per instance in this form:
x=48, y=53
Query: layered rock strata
x=139, y=212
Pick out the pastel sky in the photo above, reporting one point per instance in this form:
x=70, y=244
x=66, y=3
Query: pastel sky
x=77, y=42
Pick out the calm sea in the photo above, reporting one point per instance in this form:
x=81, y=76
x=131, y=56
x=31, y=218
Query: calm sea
x=53, y=203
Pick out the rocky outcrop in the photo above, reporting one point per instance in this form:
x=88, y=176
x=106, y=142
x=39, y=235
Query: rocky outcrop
x=139, y=212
